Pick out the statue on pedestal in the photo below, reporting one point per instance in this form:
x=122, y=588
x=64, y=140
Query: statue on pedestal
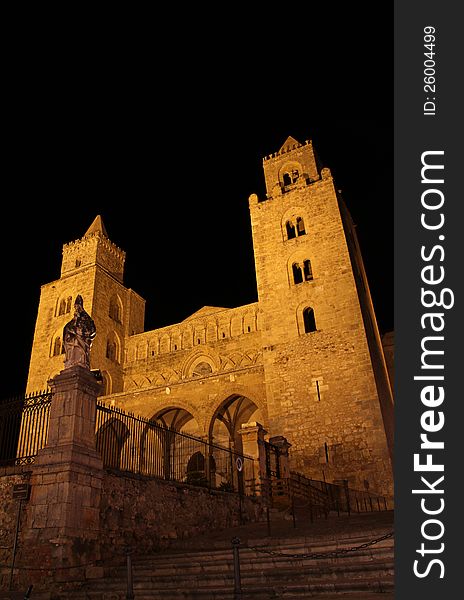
x=78, y=336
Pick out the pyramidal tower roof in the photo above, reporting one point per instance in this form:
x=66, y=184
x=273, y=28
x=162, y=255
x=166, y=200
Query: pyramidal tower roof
x=289, y=143
x=97, y=227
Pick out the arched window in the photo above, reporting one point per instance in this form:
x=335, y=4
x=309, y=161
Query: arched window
x=57, y=347
x=115, y=311
x=202, y=369
x=291, y=233
x=307, y=270
x=309, y=320
x=300, y=227
x=287, y=179
x=297, y=274
x=111, y=350
x=64, y=306
x=295, y=175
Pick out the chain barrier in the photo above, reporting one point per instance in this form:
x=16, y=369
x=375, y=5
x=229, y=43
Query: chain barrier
x=332, y=554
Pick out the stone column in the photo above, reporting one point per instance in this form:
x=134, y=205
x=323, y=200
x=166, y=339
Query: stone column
x=253, y=445
x=283, y=446
x=64, y=509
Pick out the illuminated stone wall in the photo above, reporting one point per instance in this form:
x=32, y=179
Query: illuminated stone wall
x=326, y=390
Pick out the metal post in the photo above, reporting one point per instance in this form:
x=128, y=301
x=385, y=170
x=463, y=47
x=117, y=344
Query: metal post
x=385, y=502
x=268, y=519
x=130, y=585
x=237, y=580
x=28, y=593
x=13, y=558
x=370, y=502
x=357, y=504
x=293, y=511
x=378, y=503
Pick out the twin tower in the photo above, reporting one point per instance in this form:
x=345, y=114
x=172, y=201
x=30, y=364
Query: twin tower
x=305, y=360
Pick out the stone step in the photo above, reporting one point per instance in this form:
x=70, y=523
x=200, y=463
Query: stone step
x=373, y=589
x=282, y=544
x=255, y=560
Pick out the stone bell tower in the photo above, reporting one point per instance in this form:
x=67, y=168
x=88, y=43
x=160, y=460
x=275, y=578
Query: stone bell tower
x=93, y=267
x=326, y=382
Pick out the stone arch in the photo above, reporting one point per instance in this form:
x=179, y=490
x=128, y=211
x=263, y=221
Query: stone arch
x=300, y=268
x=64, y=304
x=172, y=438
x=165, y=344
x=107, y=385
x=290, y=172
x=306, y=322
x=115, y=310
x=113, y=347
x=56, y=343
x=110, y=439
x=228, y=418
x=195, y=358
x=297, y=218
x=250, y=322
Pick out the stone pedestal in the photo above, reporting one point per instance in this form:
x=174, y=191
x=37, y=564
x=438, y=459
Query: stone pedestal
x=253, y=445
x=64, y=508
x=283, y=446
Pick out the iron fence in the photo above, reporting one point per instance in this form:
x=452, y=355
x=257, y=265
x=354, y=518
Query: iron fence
x=136, y=444
x=23, y=428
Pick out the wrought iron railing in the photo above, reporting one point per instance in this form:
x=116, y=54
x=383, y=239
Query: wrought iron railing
x=23, y=428
x=138, y=445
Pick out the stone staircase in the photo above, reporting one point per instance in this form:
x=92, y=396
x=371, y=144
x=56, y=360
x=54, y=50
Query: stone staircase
x=202, y=568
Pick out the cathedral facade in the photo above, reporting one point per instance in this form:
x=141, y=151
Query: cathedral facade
x=305, y=361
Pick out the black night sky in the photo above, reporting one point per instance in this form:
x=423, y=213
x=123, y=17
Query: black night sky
x=167, y=146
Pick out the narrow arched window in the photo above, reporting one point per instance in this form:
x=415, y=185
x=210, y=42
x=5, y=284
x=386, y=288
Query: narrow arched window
x=307, y=270
x=68, y=304
x=62, y=308
x=290, y=230
x=309, y=320
x=115, y=310
x=297, y=274
x=295, y=175
x=57, y=347
x=300, y=227
x=287, y=179
x=111, y=350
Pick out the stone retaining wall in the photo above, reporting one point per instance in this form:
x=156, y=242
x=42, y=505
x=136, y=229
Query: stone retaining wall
x=147, y=514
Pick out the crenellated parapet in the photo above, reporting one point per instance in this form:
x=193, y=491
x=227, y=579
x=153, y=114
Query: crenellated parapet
x=94, y=248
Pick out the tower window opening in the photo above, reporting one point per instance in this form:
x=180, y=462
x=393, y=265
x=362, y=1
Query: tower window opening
x=78, y=262
x=223, y=335
x=287, y=179
x=309, y=320
x=198, y=341
x=153, y=353
x=307, y=270
x=248, y=329
x=111, y=350
x=300, y=226
x=57, y=347
x=115, y=310
x=295, y=175
x=290, y=230
x=175, y=346
x=297, y=274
